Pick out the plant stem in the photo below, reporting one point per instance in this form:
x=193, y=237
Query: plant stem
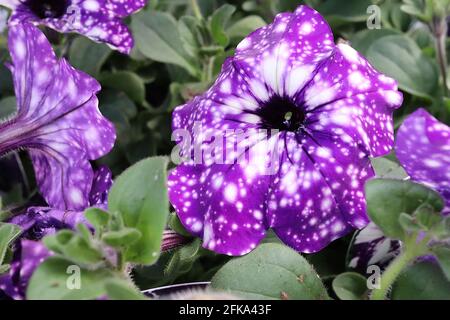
x=208, y=67
x=22, y=173
x=196, y=9
x=411, y=252
x=391, y=273
x=121, y=265
x=439, y=28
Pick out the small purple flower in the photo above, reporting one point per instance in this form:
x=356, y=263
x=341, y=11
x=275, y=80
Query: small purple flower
x=423, y=149
x=100, y=20
x=28, y=255
x=39, y=222
x=332, y=111
x=58, y=120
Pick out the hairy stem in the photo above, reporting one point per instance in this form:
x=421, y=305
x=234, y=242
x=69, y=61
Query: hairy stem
x=413, y=250
x=196, y=9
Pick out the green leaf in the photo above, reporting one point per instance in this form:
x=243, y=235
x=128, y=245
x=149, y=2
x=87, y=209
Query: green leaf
x=271, y=271
x=172, y=265
x=408, y=223
x=4, y=268
x=418, y=8
x=393, y=17
x=387, y=199
x=81, y=252
x=245, y=26
x=8, y=233
x=347, y=11
x=73, y=247
x=385, y=168
x=98, y=218
x=157, y=37
x=52, y=280
x=188, y=27
x=350, y=286
x=122, y=238
x=88, y=56
x=126, y=81
x=421, y=281
x=176, y=225
x=443, y=255
x=218, y=22
x=121, y=290
x=119, y=108
x=139, y=195
x=8, y=107
x=394, y=55
x=189, y=252
x=362, y=40
x=427, y=217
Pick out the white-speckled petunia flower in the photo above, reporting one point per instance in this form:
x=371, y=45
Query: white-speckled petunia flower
x=423, y=149
x=332, y=111
x=58, y=120
x=36, y=223
x=28, y=255
x=371, y=248
x=100, y=20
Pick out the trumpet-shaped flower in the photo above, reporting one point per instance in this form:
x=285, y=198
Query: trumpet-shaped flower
x=423, y=149
x=28, y=255
x=57, y=121
x=327, y=110
x=39, y=222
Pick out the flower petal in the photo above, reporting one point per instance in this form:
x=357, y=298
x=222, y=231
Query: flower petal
x=100, y=20
x=349, y=95
x=371, y=247
x=28, y=255
x=217, y=204
x=100, y=188
x=59, y=118
x=124, y=8
x=283, y=56
x=423, y=148
x=306, y=208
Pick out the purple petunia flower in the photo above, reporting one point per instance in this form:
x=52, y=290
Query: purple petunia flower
x=330, y=111
x=423, y=149
x=28, y=255
x=371, y=247
x=100, y=20
x=39, y=222
x=58, y=120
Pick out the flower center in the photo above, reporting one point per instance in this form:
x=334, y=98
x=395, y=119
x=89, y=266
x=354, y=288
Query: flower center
x=48, y=8
x=281, y=113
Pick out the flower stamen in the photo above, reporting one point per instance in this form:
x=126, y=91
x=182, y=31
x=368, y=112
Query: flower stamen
x=48, y=8
x=281, y=113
